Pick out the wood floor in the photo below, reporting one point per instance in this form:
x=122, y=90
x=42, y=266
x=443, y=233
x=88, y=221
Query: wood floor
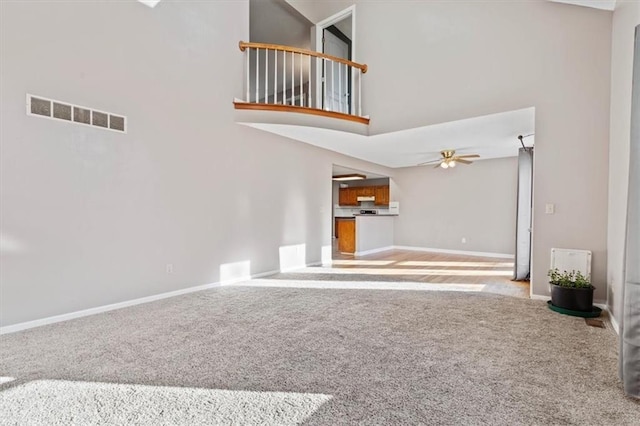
x=485, y=273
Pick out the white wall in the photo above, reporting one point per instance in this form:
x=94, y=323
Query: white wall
x=440, y=207
x=433, y=62
x=276, y=22
x=92, y=217
x=625, y=18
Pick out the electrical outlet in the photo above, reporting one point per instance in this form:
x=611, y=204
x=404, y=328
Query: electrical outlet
x=550, y=208
x=464, y=240
x=169, y=268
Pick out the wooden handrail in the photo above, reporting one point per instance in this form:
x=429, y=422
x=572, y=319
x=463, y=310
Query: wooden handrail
x=243, y=45
x=299, y=109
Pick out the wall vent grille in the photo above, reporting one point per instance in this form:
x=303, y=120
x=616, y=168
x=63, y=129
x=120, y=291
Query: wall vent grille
x=40, y=106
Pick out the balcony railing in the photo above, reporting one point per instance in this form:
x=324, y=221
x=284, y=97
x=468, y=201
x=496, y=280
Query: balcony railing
x=292, y=79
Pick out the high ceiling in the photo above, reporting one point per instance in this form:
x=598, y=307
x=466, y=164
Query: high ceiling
x=598, y=4
x=490, y=136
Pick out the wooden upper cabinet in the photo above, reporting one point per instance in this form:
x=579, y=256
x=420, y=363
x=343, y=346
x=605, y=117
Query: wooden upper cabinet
x=342, y=196
x=382, y=195
x=348, y=197
x=366, y=191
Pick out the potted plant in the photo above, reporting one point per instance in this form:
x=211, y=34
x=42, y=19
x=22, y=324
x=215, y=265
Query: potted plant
x=571, y=290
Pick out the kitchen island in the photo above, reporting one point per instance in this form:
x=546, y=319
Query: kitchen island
x=365, y=234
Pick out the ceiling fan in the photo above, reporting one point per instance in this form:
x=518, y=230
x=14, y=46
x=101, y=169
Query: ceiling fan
x=449, y=159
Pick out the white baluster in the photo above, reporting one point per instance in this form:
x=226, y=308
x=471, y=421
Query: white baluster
x=333, y=88
x=340, y=86
x=301, y=103
x=293, y=78
x=359, y=92
x=266, y=76
x=247, y=70
x=284, y=77
x=257, y=74
x=346, y=89
x=275, y=77
x=324, y=83
x=309, y=103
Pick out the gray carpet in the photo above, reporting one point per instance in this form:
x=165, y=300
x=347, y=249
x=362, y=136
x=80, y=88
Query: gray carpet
x=82, y=403
x=332, y=356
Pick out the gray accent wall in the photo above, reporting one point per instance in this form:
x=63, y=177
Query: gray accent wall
x=625, y=19
x=439, y=207
x=90, y=217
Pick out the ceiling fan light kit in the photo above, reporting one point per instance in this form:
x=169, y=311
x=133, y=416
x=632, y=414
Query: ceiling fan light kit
x=450, y=159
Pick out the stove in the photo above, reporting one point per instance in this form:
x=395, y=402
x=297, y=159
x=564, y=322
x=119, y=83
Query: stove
x=368, y=211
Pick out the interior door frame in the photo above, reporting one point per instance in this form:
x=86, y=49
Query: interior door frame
x=320, y=27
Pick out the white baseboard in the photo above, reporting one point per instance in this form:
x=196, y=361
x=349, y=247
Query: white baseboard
x=262, y=274
x=614, y=323
x=111, y=307
x=466, y=253
x=539, y=297
x=100, y=309
x=378, y=250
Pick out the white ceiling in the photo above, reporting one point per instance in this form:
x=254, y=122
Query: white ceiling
x=490, y=136
x=341, y=170
x=598, y=4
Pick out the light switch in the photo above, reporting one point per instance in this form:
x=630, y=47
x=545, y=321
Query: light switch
x=550, y=209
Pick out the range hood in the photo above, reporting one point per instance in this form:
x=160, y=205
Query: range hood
x=366, y=198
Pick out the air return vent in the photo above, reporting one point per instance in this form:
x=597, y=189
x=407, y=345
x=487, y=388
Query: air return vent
x=48, y=108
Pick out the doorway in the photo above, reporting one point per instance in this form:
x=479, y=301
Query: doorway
x=335, y=36
x=337, y=78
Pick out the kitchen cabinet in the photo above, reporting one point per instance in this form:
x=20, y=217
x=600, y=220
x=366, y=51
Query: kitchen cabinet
x=382, y=195
x=347, y=231
x=337, y=225
x=365, y=191
x=348, y=197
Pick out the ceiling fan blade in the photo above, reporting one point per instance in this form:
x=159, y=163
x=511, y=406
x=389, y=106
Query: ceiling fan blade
x=459, y=160
x=437, y=165
x=468, y=156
